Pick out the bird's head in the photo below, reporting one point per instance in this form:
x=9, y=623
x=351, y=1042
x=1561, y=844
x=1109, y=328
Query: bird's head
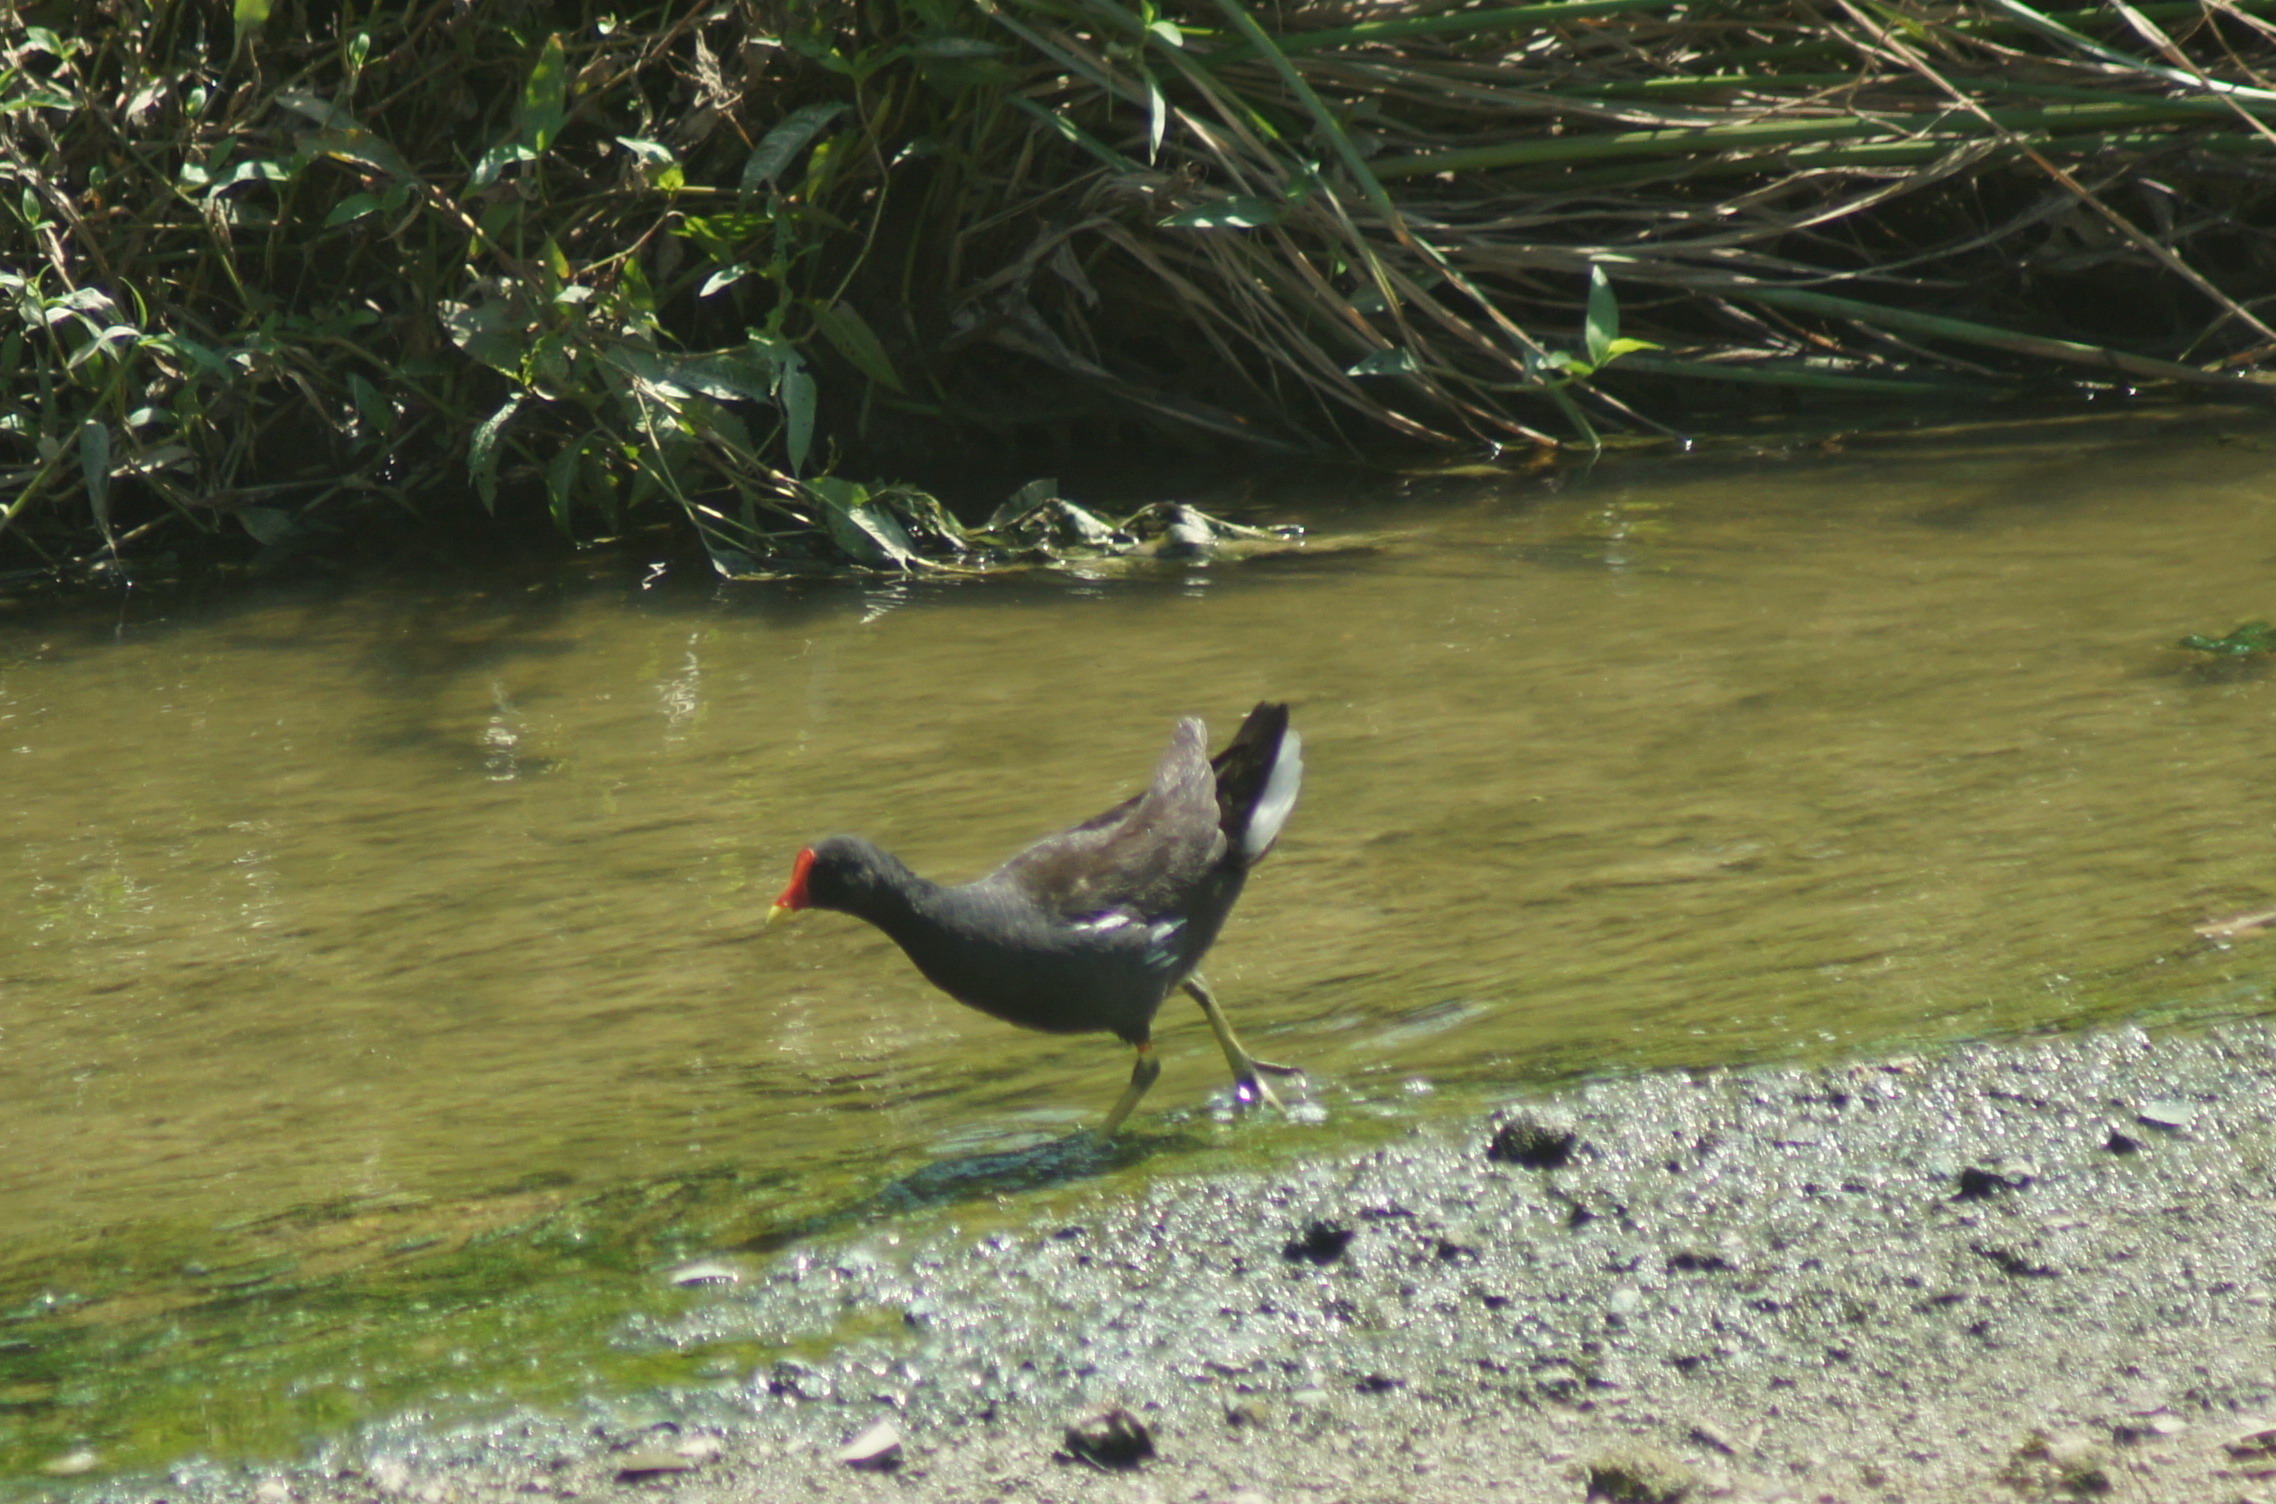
x=845, y=873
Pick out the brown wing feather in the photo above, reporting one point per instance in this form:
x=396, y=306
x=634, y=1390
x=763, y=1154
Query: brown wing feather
x=1141, y=855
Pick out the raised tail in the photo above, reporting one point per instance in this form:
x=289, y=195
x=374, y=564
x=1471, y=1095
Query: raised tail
x=1258, y=774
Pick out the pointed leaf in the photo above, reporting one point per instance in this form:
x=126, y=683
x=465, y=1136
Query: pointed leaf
x=1603, y=325
x=1023, y=501
x=482, y=452
x=844, y=327
x=486, y=332
x=1235, y=212
x=267, y=526
x=545, y=99
x=797, y=398
x=561, y=485
x=724, y=277
x=1157, y=113
x=864, y=531
x=95, y=470
x=1396, y=361
x=1574, y=416
x=355, y=206
x=785, y=141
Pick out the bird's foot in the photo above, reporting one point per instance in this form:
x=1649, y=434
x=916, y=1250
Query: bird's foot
x=1249, y=1088
x=1271, y=1069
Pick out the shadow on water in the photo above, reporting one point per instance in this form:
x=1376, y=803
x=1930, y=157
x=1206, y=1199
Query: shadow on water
x=1054, y=1164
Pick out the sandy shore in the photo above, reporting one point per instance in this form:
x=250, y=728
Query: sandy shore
x=2040, y=1269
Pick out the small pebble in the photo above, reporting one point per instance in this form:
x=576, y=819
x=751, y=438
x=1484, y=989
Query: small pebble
x=2170, y=1115
x=1533, y=1143
x=706, y=1272
x=1639, y=1475
x=1110, y=1438
x=875, y=1450
x=1322, y=1243
x=646, y=1460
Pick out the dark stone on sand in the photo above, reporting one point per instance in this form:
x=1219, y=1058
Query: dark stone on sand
x=1322, y=1243
x=1639, y=1475
x=1981, y=1185
x=1111, y=1438
x=1533, y=1143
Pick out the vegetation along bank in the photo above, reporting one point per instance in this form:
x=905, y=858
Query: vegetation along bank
x=291, y=278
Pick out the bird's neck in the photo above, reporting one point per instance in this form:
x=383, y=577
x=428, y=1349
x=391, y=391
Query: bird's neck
x=895, y=899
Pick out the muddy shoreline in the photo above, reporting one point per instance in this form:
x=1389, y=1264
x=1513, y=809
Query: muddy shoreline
x=2027, y=1268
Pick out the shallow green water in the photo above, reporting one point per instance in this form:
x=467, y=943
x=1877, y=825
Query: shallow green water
x=384, y=996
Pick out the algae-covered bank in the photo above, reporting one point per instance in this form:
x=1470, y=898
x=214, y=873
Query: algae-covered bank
x=2038, y=1268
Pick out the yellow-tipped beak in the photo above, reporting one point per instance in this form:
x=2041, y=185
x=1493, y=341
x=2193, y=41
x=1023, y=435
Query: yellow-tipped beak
x=778, y=911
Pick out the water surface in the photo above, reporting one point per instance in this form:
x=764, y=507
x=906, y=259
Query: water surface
x=343, y=925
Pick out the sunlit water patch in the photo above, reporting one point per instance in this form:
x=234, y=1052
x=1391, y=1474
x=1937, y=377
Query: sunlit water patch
x=385, y=999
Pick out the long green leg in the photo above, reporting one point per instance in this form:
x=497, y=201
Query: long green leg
x=1245, y=1066
x=1142, y=1076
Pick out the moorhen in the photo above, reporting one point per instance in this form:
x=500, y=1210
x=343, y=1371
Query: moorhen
x=1092, y=928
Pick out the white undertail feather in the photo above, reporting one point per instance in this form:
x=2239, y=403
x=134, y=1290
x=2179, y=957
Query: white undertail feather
x=1278, y=798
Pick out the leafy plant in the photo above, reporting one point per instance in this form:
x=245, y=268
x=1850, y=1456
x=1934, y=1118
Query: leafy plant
x=2247, y=641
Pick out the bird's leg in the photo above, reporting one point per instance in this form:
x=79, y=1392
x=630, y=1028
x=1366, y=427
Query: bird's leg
x=1245, y=1066
x=1142, y=1075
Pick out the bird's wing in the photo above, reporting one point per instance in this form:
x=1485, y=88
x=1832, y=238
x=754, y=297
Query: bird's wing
x=1138, y=857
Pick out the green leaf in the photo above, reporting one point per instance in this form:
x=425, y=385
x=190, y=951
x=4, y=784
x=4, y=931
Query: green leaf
x=267, y=525
x=207, y=359
x=482, y=452
x=354, y=207
x=864, y=531
x=844, y=327
x=797, y=399
x=2248, y=640
x=250, y=16
x=495, y=160
x=371, y=406
x=724, y=277
x=776, y=149
x=1397, y=361
x=561, y=484
x=1603, y=323
x=545, y=99
x=95, y=470
x=1574, y=416
x=1023, y=501
x=952, y=44
x=1236, y=212
x=1157, y=113
x=486, y=331
x=721, y=374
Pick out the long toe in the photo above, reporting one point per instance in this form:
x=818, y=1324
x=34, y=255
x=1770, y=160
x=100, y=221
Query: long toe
x=1249, y=1088
x=1270, y=1069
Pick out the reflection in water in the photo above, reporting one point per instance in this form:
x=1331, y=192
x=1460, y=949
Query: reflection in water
x=393, y=896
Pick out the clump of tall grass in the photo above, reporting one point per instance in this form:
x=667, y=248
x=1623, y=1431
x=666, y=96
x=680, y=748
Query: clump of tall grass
x=286, y=274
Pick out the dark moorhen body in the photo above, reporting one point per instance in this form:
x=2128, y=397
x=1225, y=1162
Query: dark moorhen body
x=1093, y=928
